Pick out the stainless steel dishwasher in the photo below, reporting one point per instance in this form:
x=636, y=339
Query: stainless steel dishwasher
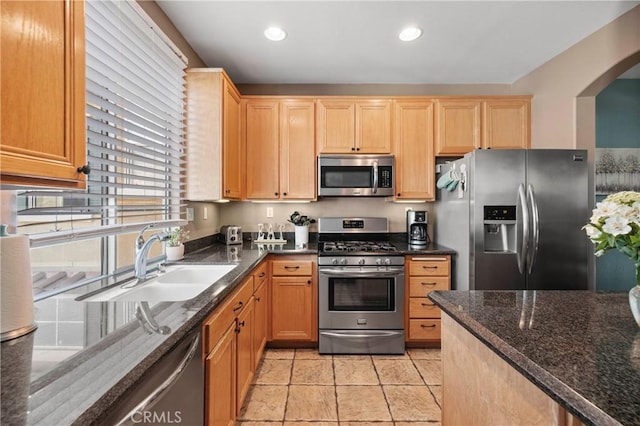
x=170, y=392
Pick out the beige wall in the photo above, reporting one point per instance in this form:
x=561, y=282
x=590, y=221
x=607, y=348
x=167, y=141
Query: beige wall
x=556, y=84
x=556, y=112
x=375, y=89
x=248, y=214
x=155, y=12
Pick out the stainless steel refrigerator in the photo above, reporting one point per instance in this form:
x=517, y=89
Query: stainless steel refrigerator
x=515, y=220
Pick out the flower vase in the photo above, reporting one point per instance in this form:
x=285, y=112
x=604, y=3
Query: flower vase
x=175, y=252
x=302, y=235
x=634, y=297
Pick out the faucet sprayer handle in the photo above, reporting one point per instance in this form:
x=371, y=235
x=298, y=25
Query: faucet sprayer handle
x=140, y=238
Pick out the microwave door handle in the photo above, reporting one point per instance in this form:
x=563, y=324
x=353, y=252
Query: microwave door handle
x=375, y=176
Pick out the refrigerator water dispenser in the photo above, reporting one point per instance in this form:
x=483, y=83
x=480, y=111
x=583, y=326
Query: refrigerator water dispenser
x=500, y=229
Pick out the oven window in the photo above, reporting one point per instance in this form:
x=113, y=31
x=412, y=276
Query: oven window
x=361, y=294
x=346, y=177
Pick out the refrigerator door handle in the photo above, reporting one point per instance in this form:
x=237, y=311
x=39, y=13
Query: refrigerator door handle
x=521, y=250
x=535, y=225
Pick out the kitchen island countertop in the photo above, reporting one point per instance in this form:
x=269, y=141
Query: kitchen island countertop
x=579, y=347
x=79, y=388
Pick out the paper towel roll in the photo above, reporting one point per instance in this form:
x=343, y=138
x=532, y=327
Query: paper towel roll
x=16, y=296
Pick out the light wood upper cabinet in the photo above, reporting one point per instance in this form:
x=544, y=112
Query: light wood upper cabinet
x=458, y=126
x=280, y=149
x=297, y=150
x=43, y=93
x=497, y=123
x=213, y=138
x=335, y=124
x=373, y=127
x=232, y=146
x=413, y=149
x=346, y=126
x=506, y=123
x=262, y=141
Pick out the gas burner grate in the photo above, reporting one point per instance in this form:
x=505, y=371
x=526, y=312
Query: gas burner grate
x=358, y=246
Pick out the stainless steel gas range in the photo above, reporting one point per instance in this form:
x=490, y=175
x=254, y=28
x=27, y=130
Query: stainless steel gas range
x=361, y=287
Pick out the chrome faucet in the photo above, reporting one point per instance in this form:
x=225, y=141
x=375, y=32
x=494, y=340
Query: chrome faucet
x=142, y=249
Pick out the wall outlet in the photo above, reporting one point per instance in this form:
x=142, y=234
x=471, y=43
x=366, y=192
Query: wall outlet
x=269, y=211
x=190, y=214
x=205, y=213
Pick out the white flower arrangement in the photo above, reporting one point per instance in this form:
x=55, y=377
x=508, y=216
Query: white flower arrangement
x=615, y=224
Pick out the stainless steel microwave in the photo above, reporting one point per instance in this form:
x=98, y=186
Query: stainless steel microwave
x=355, y=175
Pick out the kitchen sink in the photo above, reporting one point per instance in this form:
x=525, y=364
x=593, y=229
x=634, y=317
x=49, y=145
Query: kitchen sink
x=179, y=283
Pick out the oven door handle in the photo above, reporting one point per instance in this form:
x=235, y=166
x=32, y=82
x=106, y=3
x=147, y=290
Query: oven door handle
x=366, y=274
x=371, y=334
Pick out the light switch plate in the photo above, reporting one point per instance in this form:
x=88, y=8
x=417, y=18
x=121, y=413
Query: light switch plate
x=269, y=211
x=205, y=213
x=190, y=214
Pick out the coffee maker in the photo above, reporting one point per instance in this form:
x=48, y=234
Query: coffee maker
x=417, y=228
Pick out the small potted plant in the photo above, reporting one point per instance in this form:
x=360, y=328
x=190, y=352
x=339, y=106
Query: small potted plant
x=301, y=224
x=174, y=248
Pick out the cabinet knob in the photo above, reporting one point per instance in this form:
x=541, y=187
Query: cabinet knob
x=308, y=281
x=275, y=193
x=86, y=169
x=241, y=323
x=257, y=299
x=353, y=149
x=398, y=194
x=357, y=149
x=284, y=193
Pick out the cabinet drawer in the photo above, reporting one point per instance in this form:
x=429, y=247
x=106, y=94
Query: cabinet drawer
x=421, y=307
x=260, y=274
x=422, y=286
x=424, y=329
x=215, y=326
x=291, y=267
x=437, y=267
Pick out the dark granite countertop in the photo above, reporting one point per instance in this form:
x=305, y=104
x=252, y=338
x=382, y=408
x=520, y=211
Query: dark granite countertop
x=78, y=386
x=581, y=348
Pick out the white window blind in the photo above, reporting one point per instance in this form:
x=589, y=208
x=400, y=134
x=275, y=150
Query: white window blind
x=135, y=104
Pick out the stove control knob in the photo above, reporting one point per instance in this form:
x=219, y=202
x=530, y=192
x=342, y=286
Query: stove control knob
x=378, y=261
x=361, y=261
x=334, y=261
x=387, y=261
x=343, y=261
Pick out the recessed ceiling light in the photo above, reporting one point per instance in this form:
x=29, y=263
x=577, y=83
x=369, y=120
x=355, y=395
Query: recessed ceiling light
x=410, y=34
x=275, y=33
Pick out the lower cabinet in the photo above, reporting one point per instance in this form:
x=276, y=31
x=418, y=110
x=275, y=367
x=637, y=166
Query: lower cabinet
x=294, y=301
x=479, y=387
x=425, y=274
x=245, y=365
x=236, y=333
x=229, y=352
x=261, y=320
x=220, y=383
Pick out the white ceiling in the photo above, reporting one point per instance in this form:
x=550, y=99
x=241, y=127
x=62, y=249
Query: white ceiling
x=340, y=42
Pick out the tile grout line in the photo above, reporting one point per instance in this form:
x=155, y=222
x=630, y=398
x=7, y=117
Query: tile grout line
x=425, y=380
x=335, y=388
x=386, y=400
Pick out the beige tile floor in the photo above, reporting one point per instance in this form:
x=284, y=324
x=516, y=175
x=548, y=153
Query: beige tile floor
x=300, y=386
